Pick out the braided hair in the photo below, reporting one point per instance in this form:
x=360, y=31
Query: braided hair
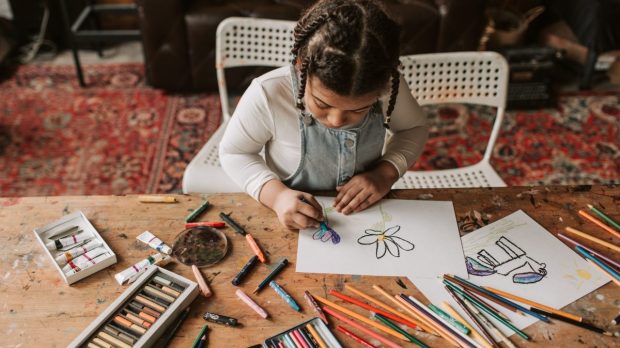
x=351, y=46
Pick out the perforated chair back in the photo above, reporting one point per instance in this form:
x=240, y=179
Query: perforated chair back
x=244, y=41
x=239, y=42
x=458, y=77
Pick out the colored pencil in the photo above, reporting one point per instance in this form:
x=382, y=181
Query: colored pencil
x=410, y=337
x=398, y=303
x=194, y=214
x=591, y=251
x=372, y=309
x=315, y=306
x=355, y=337
x=593, y=258
x=595, y=265
x=603, y=216
x=370, y=333
x=483, y=294
x=517, y=306
x=581, y=324
x=484, y=321
x=440, y=323
x=316, y=335
x=360, y=318
x=534, y=304
x=598, y=223
x=486, y=309
x=474, y=319
x=474, y=333
x=199, y=337
x=412, y=310
x=447, y=317
x=271, y=275
x=592, y=239
x=382, y=305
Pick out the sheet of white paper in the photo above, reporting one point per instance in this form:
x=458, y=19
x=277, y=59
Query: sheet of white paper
x=523, y=242
x=421, y=239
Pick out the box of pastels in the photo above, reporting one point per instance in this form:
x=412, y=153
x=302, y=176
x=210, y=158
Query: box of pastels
x=311, y=333
x=75, y=247
x=142, y=313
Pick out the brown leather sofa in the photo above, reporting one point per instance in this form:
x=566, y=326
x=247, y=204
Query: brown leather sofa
x=179, y=35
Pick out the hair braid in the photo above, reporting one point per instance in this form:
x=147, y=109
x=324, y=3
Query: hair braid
x=304, y=31
x=302, y=83
x=393, y=95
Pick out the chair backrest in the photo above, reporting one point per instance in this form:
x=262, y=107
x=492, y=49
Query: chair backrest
x=241, y=41
x=460, y=77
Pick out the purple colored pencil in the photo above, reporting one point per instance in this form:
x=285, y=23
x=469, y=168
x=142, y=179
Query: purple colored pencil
x=594, y=252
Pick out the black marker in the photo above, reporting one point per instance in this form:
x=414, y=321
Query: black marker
x=244, y=271
x=271, y=275
x=220, y=319
x=233, y=224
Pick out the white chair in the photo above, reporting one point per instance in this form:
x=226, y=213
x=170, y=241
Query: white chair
x=239, y=42
x=459, y=77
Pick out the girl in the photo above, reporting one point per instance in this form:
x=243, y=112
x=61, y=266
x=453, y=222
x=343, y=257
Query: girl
x=322, y=120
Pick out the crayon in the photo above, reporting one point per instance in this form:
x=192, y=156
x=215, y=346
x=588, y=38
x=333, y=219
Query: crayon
x=245, y=298
x=156, y=199
x=272, y=275
x=285, y=296
x=194, y=214
x=220, y=319
x=244, y=271
x=315, y=306
x=214, y=224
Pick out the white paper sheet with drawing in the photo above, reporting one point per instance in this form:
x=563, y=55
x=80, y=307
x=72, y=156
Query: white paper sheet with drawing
x=517, y=255
x=392, y=238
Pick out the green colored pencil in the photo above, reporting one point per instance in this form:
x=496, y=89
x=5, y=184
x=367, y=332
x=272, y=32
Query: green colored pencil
x=604, y=217
x=193, y=215
x=484, y=307
x=387, y=322
x=457, y=324
x=202, y=332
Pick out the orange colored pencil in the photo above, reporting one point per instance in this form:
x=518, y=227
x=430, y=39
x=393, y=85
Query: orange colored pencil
x=378, y=337
x=592, y=239
x=421, y=322
x=598, y=223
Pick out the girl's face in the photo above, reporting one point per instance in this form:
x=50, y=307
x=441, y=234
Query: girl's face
x=334, y=110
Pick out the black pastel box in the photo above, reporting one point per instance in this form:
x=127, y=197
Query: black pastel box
x=142, y=313
x=311, y=333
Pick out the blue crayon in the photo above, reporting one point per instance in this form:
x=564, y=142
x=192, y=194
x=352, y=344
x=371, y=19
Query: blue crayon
x=286, y=297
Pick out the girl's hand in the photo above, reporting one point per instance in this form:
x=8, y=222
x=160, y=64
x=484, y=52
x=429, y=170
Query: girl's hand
x=365, y=189
x=297, y=210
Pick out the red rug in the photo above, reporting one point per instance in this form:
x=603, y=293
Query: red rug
x=118, y=136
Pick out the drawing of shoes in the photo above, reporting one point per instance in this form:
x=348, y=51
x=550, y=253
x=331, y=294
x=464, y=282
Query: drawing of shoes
x=476, y=268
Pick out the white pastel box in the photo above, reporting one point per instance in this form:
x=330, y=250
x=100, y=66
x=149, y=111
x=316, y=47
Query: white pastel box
x=159, y=327
x=74, y=219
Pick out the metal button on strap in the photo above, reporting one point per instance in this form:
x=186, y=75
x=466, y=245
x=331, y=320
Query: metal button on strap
x=349, y=143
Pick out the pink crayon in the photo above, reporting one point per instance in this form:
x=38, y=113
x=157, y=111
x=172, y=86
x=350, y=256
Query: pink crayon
x=245, y=298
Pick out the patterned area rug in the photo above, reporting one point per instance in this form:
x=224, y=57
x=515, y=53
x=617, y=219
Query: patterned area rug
x=114, y=137
x=119, y=136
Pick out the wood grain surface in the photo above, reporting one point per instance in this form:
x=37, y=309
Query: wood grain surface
x=39, y=309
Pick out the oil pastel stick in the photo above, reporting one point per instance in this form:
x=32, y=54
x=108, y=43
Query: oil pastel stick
x=244, y=271
x=220, y=319
x=247, y=300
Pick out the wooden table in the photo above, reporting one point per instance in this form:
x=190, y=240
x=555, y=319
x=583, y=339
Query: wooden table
x=38, y=308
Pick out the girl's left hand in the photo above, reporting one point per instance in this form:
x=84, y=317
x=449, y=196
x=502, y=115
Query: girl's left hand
x=365, y=189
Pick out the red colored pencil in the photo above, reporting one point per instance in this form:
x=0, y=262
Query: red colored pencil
x=355, y=337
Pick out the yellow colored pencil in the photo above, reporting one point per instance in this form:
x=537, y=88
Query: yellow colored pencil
x=593, y=239
x=475, y=334
x=442, y=332
x=598, y=223
x=381, y=304
x=533, y=304
x=420, y=321
x=361, y=318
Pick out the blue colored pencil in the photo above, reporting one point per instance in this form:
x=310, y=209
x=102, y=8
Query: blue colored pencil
x=598, y=262
x=286, y=297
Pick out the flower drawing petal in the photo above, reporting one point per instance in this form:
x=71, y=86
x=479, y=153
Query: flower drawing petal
x=367, y=239
x=392, y=230
x=373, y=232
x=392, y=247
x=381, y=249
x=402, y=243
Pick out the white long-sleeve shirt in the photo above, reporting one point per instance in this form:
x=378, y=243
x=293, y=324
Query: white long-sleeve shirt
x=266, y=117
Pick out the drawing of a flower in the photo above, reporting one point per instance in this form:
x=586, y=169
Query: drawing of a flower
x=386, y=241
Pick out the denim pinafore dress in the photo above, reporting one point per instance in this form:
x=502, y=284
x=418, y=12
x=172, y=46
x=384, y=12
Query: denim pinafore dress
x=330, y=157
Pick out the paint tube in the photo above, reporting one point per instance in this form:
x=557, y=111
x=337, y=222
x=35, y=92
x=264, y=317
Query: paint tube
x=132, y=273
x=85, y=260
x=58, y=244
x=148, y=238
x=71, y=254
x=86, y=265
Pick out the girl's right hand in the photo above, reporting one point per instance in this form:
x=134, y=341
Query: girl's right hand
x=297, y=210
